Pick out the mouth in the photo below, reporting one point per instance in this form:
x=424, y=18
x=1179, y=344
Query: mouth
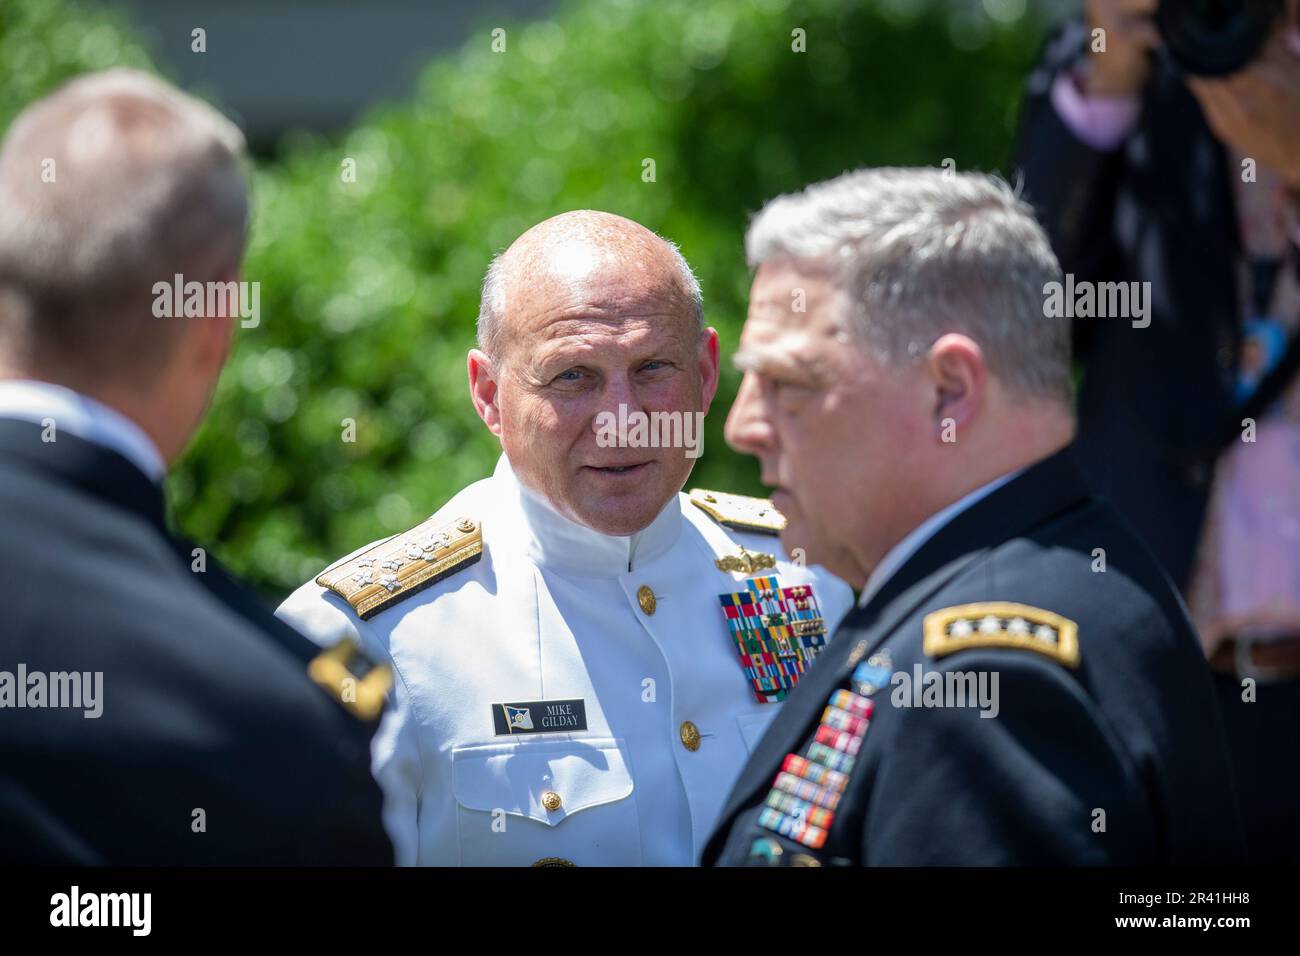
x=629, y=469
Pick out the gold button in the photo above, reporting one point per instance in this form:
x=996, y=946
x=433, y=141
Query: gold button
x=690, y=736
x=803, y=859
x=646, y=598
x=465, y=525
x=551, y=800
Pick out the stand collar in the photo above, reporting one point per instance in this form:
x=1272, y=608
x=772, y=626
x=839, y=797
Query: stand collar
x=551, y=540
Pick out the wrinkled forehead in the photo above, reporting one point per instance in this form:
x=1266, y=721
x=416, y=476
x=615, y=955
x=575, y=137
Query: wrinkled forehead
x=795, y=316
x=580, y=286
x=796, y=297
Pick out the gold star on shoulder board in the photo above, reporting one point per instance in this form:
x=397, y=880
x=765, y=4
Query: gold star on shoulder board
x=1001, y=624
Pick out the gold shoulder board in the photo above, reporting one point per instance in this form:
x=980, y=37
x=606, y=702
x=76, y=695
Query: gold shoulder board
x=351, y=678
x=1001, y=624
x=392, y=571
x=739, y=511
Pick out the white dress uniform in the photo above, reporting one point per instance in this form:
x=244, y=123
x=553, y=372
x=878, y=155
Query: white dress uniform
x=565, y=696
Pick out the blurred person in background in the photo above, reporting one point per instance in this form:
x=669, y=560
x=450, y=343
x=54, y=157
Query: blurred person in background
x=1160, y=144
x=152, y=712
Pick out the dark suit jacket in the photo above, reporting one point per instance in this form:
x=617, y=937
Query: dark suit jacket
x=1132, y=730
x=1159, y=209
x=206, y=700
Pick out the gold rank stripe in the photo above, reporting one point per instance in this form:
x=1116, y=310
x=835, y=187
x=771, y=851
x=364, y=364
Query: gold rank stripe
x=369, y=586
x=335, y=668
x=739, y=511
x=938, y=642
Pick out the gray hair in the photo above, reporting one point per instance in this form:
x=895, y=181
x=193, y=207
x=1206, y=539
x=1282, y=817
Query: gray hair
x=492, y=301
x=112, y=183
x=923, y=252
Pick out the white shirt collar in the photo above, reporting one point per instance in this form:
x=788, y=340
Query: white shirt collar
x=550, y=539
x=82, y=416
x=897, y=556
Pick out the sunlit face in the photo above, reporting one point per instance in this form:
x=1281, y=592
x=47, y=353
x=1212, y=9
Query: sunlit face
x=595, y=331
x=835, y=430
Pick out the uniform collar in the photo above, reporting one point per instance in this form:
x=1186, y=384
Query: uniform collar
x=1041, y=494
x=98, y=471
x=897, y=556
x=80, y=415
x=552, y=540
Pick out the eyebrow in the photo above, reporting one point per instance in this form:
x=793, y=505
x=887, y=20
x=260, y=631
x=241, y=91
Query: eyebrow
x=748, y=359
x=754, y=359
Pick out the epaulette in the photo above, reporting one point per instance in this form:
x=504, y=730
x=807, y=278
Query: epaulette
x=1001, y=624
x=739, y=511
x=353, y=679
x=406, y=564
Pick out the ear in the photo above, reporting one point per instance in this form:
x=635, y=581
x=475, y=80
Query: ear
x=212, y=335
x=957, y=373
x=484, y=389
x=709, y=363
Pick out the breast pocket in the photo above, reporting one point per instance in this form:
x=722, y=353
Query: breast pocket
x=539, y=802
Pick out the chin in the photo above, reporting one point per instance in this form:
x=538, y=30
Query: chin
x=620, y=523
x=804, y=546
x=622, y=514
x=795, y=537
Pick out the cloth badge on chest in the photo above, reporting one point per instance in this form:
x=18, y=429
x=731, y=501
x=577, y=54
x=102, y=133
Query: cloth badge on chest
x=778, y=631
x=806, y=792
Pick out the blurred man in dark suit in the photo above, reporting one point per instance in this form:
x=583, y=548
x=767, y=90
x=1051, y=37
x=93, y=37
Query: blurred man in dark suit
x=1154, y=159
x=151, y=711
x=1018, y=684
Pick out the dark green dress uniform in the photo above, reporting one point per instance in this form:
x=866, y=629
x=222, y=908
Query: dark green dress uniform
x=1011, y=695
x=212, y=744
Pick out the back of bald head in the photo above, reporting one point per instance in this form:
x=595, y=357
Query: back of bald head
x=114, y=182
x=569, y=247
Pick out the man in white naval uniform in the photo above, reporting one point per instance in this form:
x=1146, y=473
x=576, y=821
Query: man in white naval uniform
x=584, y=655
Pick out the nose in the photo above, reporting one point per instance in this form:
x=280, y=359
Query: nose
x=619, y=389
x=748, y=429
x=616, y=390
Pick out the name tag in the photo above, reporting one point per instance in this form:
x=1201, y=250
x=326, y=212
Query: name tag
x=540, y=717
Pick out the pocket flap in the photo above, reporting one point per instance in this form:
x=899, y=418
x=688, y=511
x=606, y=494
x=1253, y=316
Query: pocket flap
x=543, y=780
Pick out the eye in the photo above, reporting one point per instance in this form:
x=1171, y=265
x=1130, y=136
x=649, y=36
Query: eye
x=789, y=396
x=569, y=375
x=653, y=365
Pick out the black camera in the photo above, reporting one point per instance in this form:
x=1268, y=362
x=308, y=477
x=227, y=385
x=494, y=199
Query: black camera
x=1215, y=37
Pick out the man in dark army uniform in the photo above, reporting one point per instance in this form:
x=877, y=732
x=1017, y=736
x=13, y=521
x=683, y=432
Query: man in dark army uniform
x=151, y=711
x=1019, y=683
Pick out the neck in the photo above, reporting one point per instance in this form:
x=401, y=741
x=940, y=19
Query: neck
x=148, y=411
x=1016, y=442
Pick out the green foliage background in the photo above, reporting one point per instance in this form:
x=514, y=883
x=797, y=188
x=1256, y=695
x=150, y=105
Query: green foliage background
x=369, y=289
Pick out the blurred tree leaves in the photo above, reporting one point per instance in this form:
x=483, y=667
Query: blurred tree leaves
x=44, y=42
x=369, y=289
